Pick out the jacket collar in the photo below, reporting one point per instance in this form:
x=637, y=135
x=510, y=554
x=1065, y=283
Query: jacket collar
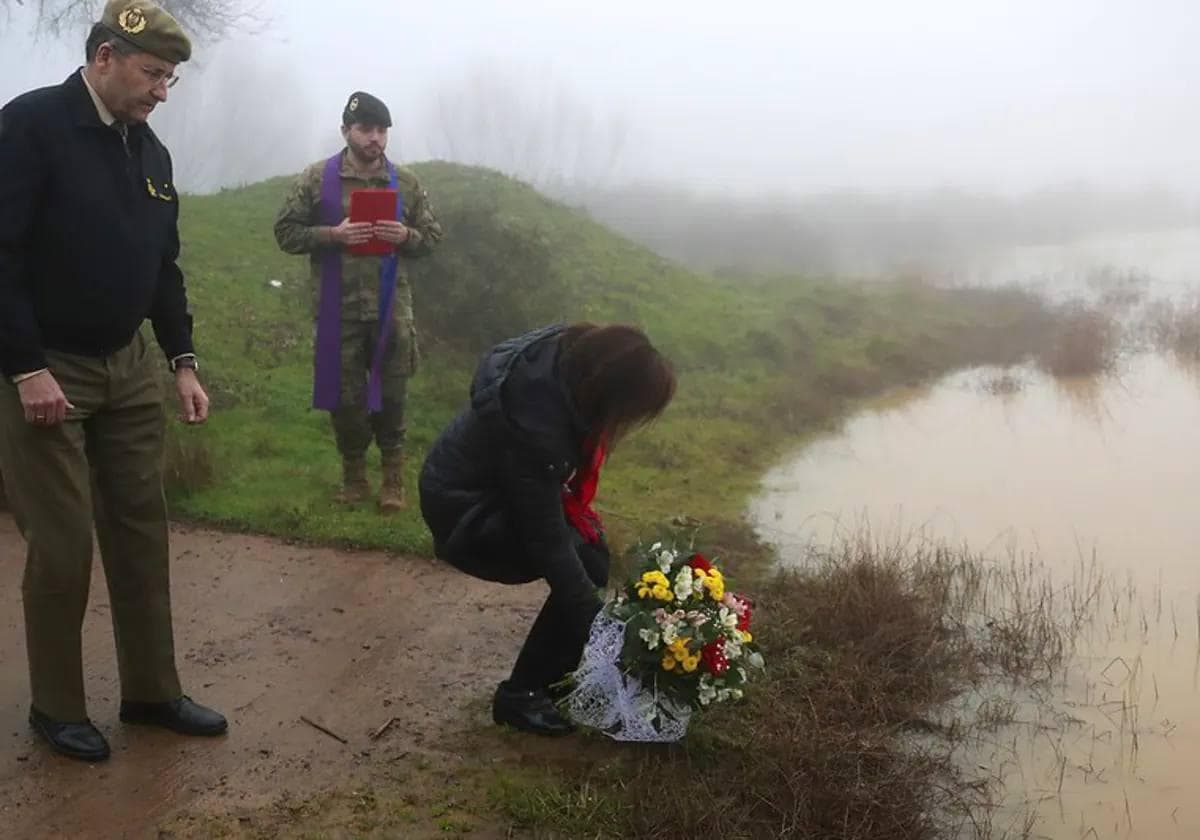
x=106, y=116
x=83, y=107
x=80, y=101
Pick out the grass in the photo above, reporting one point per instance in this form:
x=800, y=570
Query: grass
x=847, y=736
x=762, y=363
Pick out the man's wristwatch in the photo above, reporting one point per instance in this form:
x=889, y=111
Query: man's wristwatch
x=187, y=360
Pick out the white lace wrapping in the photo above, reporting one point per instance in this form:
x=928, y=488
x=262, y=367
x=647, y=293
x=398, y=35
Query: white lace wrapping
x=614, y=703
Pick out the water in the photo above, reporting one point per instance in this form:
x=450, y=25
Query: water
x=1169, y=260
x=1100, y=471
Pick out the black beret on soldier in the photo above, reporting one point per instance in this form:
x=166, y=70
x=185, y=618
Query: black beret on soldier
x=148, y=27
x=365, y=109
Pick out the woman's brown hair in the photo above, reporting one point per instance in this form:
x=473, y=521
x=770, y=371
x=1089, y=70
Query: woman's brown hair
x=616, y=377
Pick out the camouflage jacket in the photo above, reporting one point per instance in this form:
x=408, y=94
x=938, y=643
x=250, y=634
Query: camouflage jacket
x=298, y=230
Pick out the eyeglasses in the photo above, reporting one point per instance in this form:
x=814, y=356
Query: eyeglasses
x=153, y=74
x=160, y=77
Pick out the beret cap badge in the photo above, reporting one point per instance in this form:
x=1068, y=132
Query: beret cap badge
x=132, y=20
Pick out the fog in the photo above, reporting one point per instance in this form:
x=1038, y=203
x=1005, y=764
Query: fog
x=748, y=100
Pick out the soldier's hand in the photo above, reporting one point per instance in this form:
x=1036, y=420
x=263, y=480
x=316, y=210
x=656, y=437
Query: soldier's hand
x=352, y=233
x=392, y=232
x=44, y=402
x=193, y=402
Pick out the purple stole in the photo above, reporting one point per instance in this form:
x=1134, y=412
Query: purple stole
x=327, y=385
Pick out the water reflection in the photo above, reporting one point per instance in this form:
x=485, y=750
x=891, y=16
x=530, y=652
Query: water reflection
x=1064, y=470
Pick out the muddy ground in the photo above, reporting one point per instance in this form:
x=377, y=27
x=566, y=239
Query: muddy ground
x=269, y=633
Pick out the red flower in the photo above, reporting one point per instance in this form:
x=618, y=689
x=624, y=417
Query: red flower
x=697, y=561
x=713, y=656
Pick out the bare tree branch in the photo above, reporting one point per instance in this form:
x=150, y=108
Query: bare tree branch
x=205, y=20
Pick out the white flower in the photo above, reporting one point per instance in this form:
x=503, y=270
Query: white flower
x=665, y=560
x=736, y=694
x=656, y=546
x=729, y=620
x=756, y=661
x=650, y=637
x=697, y=618
x=733, y=647
x=708, y=692
x=670, y=633
x=684, y=584
x=723, y=695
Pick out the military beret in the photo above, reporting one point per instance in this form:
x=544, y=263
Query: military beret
x=148, y=27
x=366, y=109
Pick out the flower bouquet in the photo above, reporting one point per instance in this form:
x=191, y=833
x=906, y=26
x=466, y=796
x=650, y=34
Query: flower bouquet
x=672, y=642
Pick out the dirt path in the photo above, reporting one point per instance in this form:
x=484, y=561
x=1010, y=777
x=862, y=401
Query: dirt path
x=267, y=633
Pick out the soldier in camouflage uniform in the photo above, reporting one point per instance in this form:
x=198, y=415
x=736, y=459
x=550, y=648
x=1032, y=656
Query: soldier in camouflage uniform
x=299, y=230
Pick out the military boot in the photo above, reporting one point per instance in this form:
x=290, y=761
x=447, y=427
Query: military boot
x=354, y=481
x=391, y=492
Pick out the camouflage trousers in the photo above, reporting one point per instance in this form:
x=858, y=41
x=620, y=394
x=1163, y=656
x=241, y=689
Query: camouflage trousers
x=353, y=426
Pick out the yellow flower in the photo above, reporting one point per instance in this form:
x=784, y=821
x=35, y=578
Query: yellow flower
x=668, y=662
x=691, y=663
x=654, y=585
x=678, y=649
x=714, y=582
x=747, y=637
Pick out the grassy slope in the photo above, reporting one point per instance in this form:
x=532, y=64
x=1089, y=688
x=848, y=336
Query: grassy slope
x=761, y=362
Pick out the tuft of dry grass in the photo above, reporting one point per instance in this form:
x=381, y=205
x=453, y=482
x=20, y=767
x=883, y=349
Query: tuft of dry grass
x=1003, y=384
x=1086, y=341
x=1175, y=329
x=188, y=465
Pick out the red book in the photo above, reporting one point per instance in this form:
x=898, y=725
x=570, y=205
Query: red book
x=372, y=206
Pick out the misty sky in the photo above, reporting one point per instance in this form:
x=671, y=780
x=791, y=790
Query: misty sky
x=753, y=96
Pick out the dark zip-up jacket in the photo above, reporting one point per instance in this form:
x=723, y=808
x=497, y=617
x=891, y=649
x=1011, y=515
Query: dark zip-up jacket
x=88, y=233
x=494, y=478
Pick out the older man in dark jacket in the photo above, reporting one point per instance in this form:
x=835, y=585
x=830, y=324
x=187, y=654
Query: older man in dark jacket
x=88, y=248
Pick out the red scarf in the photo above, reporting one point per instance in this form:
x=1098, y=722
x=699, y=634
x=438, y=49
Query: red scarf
x=579, y=492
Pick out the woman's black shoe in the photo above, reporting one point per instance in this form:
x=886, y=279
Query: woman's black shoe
x=528, y=711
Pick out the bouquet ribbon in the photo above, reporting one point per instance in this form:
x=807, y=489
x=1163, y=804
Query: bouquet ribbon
x=616, y=703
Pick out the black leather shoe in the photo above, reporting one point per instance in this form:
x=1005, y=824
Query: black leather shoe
x=183, y=716
x=78, y=740
x=528, y=711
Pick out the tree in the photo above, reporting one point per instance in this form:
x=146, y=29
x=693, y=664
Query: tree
x=525, y=128
x=207, y=20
